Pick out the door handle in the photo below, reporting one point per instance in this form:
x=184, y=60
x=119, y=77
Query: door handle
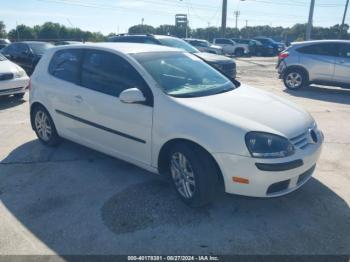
x=78, y=99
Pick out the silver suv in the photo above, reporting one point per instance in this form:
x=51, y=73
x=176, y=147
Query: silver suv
x=323, y=62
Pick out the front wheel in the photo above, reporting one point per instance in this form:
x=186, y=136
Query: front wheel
x=194, y=174
x=44, y=127
x=295, y=79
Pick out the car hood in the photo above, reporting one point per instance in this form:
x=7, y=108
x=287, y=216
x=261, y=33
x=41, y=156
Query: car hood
x=252, y=109
x=212, y=58
x=7, y=67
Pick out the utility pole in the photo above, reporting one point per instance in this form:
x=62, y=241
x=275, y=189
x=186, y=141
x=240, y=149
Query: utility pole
x=246, y=23
x=237, y=14
x=309, y=25
x=344, y=16
x=223, y=17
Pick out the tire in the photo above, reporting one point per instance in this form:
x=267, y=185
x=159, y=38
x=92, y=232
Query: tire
x=19, y=96
x=44, y=127
x=202, y=182
x=239, y=52
x=295, y=79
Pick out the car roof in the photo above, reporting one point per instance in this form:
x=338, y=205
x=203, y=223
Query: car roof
x=33, y=42
x=128, y=48
x=321, y=41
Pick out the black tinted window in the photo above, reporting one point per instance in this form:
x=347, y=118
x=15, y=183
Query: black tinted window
x=327, y=49
x=22, y=48
x=109, y=74
x=65, y=65
x=11, y=49
x=223, y=41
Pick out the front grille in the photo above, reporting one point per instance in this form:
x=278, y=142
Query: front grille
x=301, y=141
x=11, y=90
x=6, y=76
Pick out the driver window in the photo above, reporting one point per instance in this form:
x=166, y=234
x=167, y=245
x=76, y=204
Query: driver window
x=108, y=73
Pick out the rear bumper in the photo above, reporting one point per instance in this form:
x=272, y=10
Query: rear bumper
x=291, y=172
x=14, y=86
x=281, y=68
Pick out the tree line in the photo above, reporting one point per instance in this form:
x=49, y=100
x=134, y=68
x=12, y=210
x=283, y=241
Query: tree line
x=54, y=32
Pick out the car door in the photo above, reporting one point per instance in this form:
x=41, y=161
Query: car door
x=102, y=120
x=63, y=93
x=227, y=45
x=319, y=59
x=342, y=65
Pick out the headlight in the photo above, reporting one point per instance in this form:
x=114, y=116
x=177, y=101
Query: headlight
x=20, y=72
x=266, y=145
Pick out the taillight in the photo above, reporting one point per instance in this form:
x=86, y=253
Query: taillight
x=283, y=55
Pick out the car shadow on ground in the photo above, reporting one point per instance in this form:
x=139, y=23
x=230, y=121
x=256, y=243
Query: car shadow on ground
x=10, y=101
x=78, y=201
x=323, y=93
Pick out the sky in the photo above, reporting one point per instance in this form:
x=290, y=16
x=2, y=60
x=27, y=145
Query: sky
x=117, y=16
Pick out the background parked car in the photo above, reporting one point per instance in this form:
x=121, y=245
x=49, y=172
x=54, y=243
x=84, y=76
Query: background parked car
x=231, y=47
x=324, y=62
x=13, y=79
x=26, y=54
x=4, y=43
x=226, y=65
x=205, y=46
x=271, y=46
x=255, y=47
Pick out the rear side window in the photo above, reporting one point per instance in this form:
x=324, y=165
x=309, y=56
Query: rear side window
x=109, y=74
x=223, y=41
x=345, y=50
x=326, y=49
x=65, y=65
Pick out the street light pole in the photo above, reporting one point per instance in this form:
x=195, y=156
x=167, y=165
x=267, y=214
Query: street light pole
x=309, y=25
x=223, y=17
x=237, y=14
x=344, y=16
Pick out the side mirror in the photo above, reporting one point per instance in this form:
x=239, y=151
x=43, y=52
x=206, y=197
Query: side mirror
x=132, y=96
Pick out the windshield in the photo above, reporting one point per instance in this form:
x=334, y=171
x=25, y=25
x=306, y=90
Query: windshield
x=2, y=58
x=40, y=48
x=184, y=75
x=178, y=43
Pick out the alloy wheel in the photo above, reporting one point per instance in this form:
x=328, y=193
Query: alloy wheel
x=43, y=125
x=294, y=80
x=183, y=175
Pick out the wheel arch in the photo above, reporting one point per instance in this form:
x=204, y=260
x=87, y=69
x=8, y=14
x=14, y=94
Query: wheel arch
x=162, y=168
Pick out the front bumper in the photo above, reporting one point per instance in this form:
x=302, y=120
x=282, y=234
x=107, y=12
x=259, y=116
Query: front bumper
x=268, y=183
x=14, y=86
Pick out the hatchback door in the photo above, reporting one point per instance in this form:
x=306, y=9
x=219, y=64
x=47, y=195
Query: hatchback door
x=342, y=65
x=103, y=121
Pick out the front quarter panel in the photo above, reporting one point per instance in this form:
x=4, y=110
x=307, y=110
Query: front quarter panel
x=173, y=120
